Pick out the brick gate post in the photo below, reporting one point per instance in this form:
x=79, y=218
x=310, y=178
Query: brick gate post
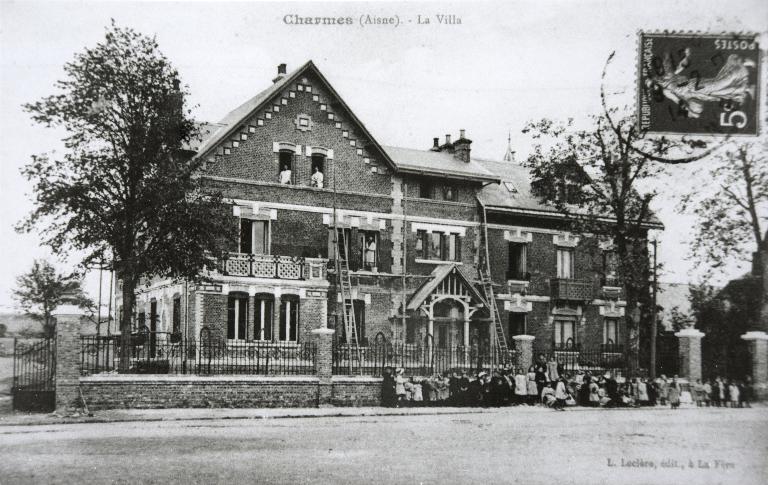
x=524, y=347
x=690, y=353
x=759, y=354
x=68, y=319
x=323, y=338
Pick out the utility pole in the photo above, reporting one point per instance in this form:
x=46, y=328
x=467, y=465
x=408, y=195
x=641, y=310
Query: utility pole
x=653, y=314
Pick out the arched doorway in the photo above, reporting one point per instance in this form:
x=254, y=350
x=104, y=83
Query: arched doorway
x=449, y=324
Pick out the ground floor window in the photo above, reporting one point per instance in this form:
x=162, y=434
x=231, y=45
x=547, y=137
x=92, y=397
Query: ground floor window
x=237, y=314
x=358, y=307
x=289, y=318
x=263, y=308
x=611, y=331
x=565, y=333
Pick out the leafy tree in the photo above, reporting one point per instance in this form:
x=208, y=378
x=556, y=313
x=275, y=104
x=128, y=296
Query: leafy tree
x=43, y=289
x=730, y=211
x=594, y=178
x=126, y=190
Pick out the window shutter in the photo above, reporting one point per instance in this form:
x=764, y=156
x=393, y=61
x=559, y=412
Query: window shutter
x=458, y=247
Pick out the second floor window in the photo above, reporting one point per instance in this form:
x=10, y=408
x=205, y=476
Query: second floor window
x=517, y=261
x=369, y=244
x=438, y=246
x=254, y=236
x=450, y=193
x=565, y=263
x=285, y=163
x=317, y=178
x=426, y=190
x=342, y=241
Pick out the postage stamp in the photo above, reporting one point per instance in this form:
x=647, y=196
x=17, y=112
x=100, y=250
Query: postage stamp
x=700, y=84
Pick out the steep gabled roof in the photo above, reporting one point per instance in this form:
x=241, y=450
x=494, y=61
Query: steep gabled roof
x=441, y=164
x=435, y=278
x=232, y=121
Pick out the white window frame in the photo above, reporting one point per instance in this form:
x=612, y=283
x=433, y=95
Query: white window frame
x=606, y=336
x=561, y=263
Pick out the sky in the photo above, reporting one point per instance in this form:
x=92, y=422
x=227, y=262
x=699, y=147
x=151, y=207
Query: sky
x=505, y=63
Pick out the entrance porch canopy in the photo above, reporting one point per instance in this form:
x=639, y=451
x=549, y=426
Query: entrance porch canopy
x=447, y=282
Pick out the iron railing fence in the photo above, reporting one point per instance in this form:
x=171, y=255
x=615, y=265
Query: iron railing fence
x=414, y=359
x=596, y=360
x=163, y=355
x=34, y=365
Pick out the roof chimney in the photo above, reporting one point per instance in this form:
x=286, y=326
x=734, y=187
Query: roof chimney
x=280, y=72
x=462, y=147
x=435, y=144
x=447, y=138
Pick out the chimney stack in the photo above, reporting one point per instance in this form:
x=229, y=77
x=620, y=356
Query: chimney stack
x=462, y=149
x=447, y=138
x=435, y=144
x=281, y=70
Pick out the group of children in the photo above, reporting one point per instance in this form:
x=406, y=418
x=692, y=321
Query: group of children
x=548, y=385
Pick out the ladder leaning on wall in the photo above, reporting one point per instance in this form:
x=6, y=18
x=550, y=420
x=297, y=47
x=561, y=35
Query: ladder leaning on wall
x=344, y=284
x=484, y=270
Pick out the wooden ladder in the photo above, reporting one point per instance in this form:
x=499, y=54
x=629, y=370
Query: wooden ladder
x=487, y=282
x=345, y=289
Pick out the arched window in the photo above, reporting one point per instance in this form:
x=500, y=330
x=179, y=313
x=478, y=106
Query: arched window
x=262, y=316
x=237, y=315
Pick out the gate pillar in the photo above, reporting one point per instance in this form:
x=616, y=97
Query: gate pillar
x=68, y=320
x=324, y=365
x=759, y=354
x=524, y=348
x=690, y=353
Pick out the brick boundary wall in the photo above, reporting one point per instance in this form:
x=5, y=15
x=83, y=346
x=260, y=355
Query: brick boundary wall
x=166, y=391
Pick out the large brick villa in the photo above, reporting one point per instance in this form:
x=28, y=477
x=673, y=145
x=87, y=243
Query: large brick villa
x=296, y=162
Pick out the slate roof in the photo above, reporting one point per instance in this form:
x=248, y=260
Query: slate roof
x=234, y=118
x=501, y=198
x=444, y=164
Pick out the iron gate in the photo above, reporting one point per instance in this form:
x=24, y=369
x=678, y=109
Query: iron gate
x=34, y=371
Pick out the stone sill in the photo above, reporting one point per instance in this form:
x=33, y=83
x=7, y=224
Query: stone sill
x=181, y=379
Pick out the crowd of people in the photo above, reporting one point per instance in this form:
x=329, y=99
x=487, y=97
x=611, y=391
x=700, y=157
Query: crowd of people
x=545, y=383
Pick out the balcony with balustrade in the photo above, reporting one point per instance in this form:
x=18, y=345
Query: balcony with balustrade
x=571, y=290
x=272, y=266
